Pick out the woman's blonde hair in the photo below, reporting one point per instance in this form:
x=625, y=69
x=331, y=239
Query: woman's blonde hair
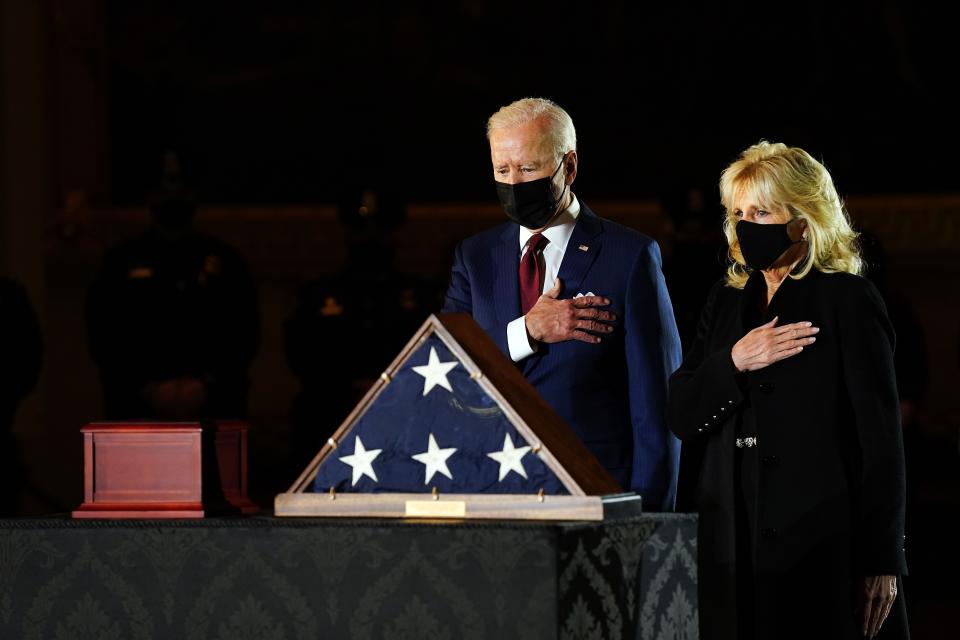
x=783, y=178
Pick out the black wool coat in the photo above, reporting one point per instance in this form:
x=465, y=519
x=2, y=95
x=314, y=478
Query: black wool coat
x=830, y=495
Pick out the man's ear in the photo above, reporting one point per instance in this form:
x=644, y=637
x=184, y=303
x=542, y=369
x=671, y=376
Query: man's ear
x=570, y=167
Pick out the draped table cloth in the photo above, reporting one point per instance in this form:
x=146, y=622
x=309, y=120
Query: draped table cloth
x=266, y=578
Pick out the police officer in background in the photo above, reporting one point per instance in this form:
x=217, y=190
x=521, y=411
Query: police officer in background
x=20, y=344
x=349, y=326
x=172, y=318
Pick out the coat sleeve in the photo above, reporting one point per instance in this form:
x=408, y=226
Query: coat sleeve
x=457, y=299
x=866, y=345
x=705, y=391
x=459, y=296
x=653, y=351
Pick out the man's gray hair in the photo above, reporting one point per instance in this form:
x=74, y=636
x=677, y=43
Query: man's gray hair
x=561, y=136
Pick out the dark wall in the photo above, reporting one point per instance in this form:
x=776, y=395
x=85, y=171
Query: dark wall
x=287, y=102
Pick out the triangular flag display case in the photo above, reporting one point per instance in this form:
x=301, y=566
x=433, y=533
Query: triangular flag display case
x=452, y=430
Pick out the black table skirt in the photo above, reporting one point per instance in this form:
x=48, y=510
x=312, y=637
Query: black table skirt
x=269, y=578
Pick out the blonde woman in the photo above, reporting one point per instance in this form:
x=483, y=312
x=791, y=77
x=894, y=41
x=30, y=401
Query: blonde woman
x=787, y=407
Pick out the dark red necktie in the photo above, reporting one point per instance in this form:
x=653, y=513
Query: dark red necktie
x=531, y=273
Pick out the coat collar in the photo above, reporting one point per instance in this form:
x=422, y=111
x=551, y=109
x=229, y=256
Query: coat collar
x=582, y=249
x=790, y=293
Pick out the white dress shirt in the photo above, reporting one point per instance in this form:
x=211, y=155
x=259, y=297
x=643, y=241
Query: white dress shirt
x=558, y=234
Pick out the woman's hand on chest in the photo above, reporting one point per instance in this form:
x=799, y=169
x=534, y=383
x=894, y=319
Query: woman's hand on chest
x=769, y=343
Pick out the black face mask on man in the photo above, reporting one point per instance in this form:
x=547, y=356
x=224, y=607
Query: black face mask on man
x=531, y=204
x=762, y=244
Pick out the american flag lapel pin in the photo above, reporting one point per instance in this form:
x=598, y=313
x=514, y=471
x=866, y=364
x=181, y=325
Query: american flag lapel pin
x=584, y=247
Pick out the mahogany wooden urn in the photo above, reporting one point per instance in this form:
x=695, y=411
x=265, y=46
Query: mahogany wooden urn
x=164, y=470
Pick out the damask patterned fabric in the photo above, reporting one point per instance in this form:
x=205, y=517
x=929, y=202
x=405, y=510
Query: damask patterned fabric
x=268, y=579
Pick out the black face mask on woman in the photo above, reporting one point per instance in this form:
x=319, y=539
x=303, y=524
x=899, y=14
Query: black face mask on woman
x=530, y=204
x=762, y=244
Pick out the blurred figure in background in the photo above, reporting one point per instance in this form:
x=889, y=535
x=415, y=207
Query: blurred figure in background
x=349, y=326
x=696, y=256
x=932, y=460
x=172, y=318
x=910, y=358
x=22, y=351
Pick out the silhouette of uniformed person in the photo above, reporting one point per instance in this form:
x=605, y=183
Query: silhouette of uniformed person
x=696, y=259
x=172, y=317
x=19, y=371
x=348, y=327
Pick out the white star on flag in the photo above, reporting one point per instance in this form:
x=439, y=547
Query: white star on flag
x=509, y=458
x=435, y=459
x=435, y=372
x=361, y=461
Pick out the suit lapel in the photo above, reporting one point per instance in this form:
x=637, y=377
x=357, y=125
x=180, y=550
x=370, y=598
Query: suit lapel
x=582, y=250
x=573, y=269
x=786, y=302
x=790, y=299
x=505, y=262
x=754, y=291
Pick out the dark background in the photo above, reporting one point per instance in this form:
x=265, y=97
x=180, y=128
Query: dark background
x=279, y=109
x=283, y=102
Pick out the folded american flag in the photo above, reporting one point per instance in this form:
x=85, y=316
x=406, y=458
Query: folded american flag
x=434, y=426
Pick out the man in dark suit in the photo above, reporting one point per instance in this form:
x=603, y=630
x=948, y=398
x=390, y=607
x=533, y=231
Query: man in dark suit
x=578, y=302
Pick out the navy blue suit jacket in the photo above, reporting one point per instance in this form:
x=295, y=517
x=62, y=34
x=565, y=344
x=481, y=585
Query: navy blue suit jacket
x=612, y=394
